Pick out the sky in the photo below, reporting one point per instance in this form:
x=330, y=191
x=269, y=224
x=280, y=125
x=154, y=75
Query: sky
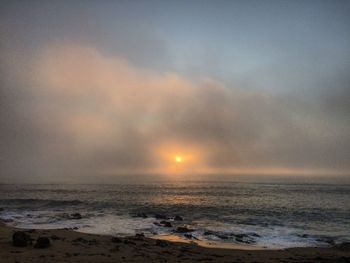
x=102, y=89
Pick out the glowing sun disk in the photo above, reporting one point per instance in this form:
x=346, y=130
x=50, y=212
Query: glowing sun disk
x=178, y=159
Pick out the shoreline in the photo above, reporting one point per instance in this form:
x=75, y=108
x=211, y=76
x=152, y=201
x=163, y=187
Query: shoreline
x=72, y=246
x=176, y=239
x=210, y=244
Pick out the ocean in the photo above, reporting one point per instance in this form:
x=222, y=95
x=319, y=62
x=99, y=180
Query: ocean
x=269, y=215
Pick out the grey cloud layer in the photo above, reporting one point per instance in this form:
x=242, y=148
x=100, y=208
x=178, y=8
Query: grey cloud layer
x=73, y=111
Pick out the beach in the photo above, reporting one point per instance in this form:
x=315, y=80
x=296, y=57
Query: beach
x=231, y=215
x=66, y=245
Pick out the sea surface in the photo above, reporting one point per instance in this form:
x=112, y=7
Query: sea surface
x=261, y=215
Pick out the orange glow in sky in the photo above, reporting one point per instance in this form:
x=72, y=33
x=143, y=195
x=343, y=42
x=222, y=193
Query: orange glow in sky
x=177, y=158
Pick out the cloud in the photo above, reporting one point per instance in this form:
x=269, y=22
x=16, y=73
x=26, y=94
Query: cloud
x=72, y=111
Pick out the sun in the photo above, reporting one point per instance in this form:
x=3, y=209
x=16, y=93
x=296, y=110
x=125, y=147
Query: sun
x=175, y=158
x=178, y=159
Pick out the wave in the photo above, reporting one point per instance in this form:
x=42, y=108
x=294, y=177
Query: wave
x=23, y=202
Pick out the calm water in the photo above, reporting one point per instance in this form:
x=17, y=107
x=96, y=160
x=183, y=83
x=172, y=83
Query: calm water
x=271, y=215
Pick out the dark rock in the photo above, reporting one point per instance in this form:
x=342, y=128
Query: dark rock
x=139, y=236
x=21, y=239
x=116, y=240
x=208, y=232
x=222, y=236
x=327, y=240
x=189, y=236
x=156, y=223
x=183, y=229
x=160, y=216
x=143, y=215
x=42, y=242
x=162, y=243
x=239, y=239
x=330, y=241
x=257, y=235
x=244, y=238
x=54, y=237
x=75, y=216
x=240, y=235
x=165, y=223
x=178, y=218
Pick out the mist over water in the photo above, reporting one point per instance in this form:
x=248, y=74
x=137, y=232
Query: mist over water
x=257, y=214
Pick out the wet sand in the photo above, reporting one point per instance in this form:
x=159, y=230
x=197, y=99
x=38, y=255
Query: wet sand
x=208, y=244
x=72, y=246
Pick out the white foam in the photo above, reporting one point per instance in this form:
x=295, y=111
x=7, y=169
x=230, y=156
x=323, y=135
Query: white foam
x=116, y=225
x=124, y=225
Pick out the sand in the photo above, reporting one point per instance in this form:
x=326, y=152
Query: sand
x=72, y=246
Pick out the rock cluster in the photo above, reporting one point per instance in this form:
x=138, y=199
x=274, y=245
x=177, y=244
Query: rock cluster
x=21, y=239
x=42, y=242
